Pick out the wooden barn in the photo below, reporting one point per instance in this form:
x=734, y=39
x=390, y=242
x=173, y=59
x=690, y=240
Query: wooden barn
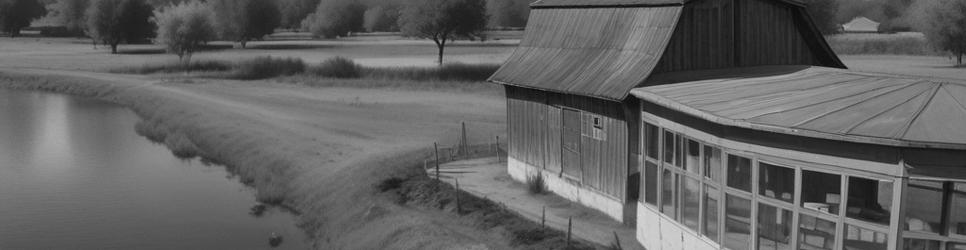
x=570, y=117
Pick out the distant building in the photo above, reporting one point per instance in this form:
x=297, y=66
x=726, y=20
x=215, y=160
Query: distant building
x=731, y=124
x=861, y=25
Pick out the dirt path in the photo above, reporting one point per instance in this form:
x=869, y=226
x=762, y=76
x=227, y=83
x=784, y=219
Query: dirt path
x=319, y=150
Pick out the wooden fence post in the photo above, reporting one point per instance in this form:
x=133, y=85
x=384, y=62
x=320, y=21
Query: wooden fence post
x=436, y=148
x=617, y=240
x=570, y=222
x=498, y=147
x=543, y=217
x=459, y=206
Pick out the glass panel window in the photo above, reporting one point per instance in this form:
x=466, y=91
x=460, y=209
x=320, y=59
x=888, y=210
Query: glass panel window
x=737, y=234
x=668, y=202
x=650, y=183
x=776, y=182
x=711, y=221
x=669, y=145
x=956, y=246
x=869, y=200
x=924, y=201
x=690, y=202
x=957, y=214
x=679, y=152
x=652, y=136
x=859, y=238
x=712, y=163
x=774, y=228
x=739, y=172
x=815, y=233
x=821, y=192
x=692, y=159
x=920, y=244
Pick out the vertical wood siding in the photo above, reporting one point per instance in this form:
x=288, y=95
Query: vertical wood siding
x=535, y=126
x=713, y=34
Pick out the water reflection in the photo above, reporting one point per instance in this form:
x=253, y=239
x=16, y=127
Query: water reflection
x=74, y=175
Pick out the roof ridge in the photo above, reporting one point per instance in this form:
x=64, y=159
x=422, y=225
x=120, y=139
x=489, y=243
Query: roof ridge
x=921, y=109
x=851, y=105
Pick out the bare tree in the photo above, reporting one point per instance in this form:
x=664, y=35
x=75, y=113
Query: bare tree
x=444, y=20
x=17, y=14
x=114, y=21
x=944, y=23
x=183, y=28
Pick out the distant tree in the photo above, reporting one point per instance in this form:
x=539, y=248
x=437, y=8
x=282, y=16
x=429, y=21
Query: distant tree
x=71, y=14
x=335, y=18
x=381, y=18
x=184, y=28
x=245, y=20
x=294, y=11
x=823, y=12
x=944, y=23
x=114, y=21
x=508, y=13
x=444, y=20
x=17, y=14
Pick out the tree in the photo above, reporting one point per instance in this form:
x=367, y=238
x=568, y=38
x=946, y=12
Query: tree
x=823, y=13
x=71, y=14
x=114, y=21
x=508, y=13
x=335, y=18
x=245, y=20
x=444, y=20
x=944, y=23
x=17, y=14
x=381, y=18
x=183, y=28
x=294, y=11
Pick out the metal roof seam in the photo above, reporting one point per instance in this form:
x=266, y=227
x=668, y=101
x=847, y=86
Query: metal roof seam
x=796, y=125
x=857, y=124
x=919, y=112
x=812, y=105
x=961, y=106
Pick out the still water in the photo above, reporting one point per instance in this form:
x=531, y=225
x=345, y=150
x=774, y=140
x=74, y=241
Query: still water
x=75, y=175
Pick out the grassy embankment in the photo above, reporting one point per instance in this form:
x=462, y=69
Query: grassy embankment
x=343, y=199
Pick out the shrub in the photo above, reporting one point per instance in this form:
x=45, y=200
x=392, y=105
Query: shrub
x=536, y=185
x=337, y=67
x=447, y=72
x=172, y=67
x=267, y=67
x=184, y=28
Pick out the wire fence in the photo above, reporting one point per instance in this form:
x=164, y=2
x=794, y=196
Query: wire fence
x=464, y=150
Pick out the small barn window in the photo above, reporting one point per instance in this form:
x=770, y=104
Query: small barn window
x=597, y=130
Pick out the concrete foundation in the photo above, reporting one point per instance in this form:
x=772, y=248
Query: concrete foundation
x=658, y=232
x=568, y=189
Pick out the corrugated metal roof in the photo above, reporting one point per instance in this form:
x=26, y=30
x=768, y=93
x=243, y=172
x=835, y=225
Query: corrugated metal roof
x=598, y=52
x=821, y=102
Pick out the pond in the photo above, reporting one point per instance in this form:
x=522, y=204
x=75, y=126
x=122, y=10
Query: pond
x=75, y=175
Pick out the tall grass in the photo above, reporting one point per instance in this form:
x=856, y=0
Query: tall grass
x=175, y=67
x=447, y=72
x=337, y=67
x=881, y=44
x=263, y=67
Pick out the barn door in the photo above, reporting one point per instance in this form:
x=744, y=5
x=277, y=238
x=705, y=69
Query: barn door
x=570, y=140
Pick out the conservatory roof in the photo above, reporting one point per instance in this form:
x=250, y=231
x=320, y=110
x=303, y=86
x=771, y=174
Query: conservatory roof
x=820, y=102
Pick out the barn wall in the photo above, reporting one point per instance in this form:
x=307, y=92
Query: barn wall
x=534, y=124
x=714, y=34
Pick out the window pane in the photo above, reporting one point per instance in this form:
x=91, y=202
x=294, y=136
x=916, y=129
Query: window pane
x=920, y=244
x=869, y=200
x=668, y=203
x=956, y=246
x=924, y=201
x=821, y=191
x=651, y=139
x=739, y=172
x=692, y=159
x=669, y=146
x=712, y=163
x=957, y=215
x=690, y=202
x=858, y=238
x=815, y=233
x=737, y=223
x=776, y=182
x=650, y=183
x=679, y=151
x=711, y=221
x=774, y=228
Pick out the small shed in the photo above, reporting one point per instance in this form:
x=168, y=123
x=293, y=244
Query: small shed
x=570, y=118
x=861, y=25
